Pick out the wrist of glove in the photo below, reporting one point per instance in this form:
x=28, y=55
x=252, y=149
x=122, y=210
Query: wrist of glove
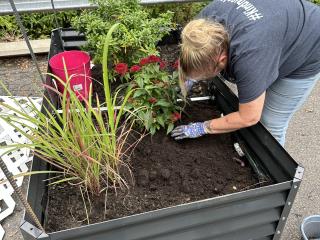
x=192, y=130
x=189, y=84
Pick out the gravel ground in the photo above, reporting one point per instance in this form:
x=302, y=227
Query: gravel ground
x=21, y=77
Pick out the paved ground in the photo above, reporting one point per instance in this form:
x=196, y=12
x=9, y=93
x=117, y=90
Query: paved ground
x=302, y=143
x=20, y=76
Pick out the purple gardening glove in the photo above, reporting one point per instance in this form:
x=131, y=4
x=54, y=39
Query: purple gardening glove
x=192, y=130
x=189, y=83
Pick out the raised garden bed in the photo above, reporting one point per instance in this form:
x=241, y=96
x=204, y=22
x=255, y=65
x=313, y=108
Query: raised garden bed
x=217, y=208
x=187, y=171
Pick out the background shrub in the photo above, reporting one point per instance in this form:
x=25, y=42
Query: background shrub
x=38, y=25
x=316, y=1
x=183, y=12
x=136, y=36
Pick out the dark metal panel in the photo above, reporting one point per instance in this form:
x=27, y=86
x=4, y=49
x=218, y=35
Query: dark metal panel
x=270, y=154
x=254, y=233
x=216, y=211
x=73, y=44
x=36, y=189
x=72, y=35
x=239, y=228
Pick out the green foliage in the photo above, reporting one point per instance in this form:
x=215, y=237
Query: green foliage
x=316, y=1
x=154, y=95
x=183, y=12
x=8, y=27
x=136, y=36
x=85, y=144
x=38, y=25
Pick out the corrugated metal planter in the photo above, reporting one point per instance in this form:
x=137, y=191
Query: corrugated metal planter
x=253, y=214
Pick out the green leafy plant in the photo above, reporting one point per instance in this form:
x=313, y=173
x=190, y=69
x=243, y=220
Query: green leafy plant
x=316, y=1
x=87, y=145
x=154, y=93
x=9, y=30
x=183, y=12
x=38, y=25
x=136, y=37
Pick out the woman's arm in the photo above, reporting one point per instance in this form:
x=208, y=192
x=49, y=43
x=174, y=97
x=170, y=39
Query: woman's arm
x=249, y=114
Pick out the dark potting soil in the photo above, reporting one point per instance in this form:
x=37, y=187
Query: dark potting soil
x=166, y=173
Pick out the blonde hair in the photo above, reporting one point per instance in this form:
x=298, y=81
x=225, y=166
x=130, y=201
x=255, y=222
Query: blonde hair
x=202, y=41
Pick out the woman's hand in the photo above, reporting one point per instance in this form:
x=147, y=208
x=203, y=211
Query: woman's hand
x=192, y=130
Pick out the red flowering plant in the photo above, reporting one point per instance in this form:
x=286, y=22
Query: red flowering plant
x=154, y=94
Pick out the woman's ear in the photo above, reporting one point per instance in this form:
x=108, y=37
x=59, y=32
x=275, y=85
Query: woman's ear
x=223, y=60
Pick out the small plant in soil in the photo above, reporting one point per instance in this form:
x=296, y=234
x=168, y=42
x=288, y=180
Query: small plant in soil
x=88, y=147
x=154, y=95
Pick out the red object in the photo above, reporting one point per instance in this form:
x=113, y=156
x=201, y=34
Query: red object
x=135, y=68
x=152, y=100
x=154, y=59
x=175, y=116
x=78, y=68
x=121, y=68
x=162, y=65
x=144, y=61
x=176, y=64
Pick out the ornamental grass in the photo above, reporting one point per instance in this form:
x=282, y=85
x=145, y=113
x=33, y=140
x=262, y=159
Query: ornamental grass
x=87, y=146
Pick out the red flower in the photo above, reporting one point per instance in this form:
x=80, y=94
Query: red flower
x=176, y=64
x=153, y=59
x=121, y=68
x=163, y=65
x=175, y=116
x=152, y=100
x=144, y=61
x=135, y=68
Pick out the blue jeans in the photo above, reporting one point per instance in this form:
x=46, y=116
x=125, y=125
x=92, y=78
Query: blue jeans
x=283, y=98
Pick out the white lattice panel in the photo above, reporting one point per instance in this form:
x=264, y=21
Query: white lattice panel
x=1, y=232
x=15, y=160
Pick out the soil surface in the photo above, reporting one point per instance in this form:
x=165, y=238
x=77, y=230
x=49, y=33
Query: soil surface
x=166, y=173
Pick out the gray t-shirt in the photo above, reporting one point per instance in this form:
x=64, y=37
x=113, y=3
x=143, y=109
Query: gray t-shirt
x=269, y=40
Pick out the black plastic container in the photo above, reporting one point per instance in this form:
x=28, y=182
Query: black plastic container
x=259, y=213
